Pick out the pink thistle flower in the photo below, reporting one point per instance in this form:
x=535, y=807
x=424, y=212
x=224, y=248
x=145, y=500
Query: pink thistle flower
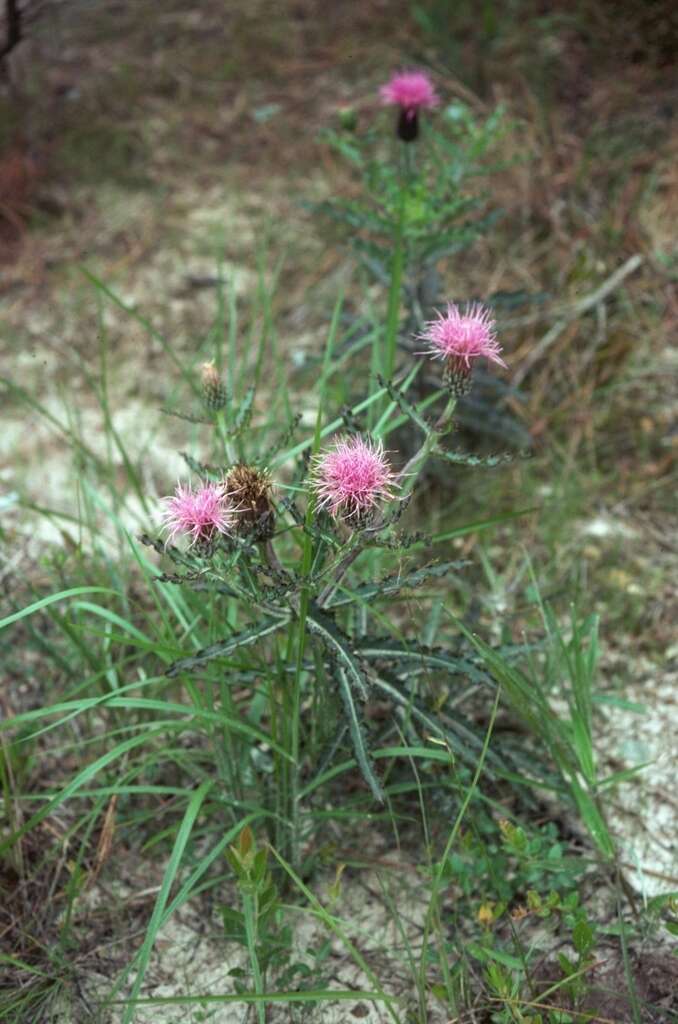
x=461, y=338
x=200, y=513
x=352, y=477
x=412, y=91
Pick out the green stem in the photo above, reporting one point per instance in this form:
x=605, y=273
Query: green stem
x=296, y=646
x=250, y=909
x=295, y=746
x=432, y=919
x=408, y=475
x=222, y=430
x=395, y=286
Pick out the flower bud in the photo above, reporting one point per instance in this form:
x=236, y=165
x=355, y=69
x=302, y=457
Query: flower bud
x=457, y=378
x=407, y=128
x=348, y=119
x=214, y=391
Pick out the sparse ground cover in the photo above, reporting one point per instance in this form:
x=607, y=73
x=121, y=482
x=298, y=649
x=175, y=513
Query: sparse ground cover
x=152, y=212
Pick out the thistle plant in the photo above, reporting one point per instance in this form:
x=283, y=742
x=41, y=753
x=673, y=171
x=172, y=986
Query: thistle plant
x=416, y=205
x=291, y=551
x=301, y=545
x=293, y=644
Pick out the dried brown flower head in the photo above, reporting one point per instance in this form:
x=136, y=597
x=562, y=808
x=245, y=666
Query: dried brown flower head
x=250, y=491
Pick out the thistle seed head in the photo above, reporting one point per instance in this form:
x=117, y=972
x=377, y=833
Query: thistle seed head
x=250, y=490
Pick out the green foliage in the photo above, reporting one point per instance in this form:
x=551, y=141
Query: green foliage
x=509, y=879
x=512, y=864
x=571, y=665
x=437, y=217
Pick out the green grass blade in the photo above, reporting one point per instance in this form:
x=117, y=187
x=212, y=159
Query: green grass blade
x=173, y=865
x=327, y=995
x=45, y=601
x=146, y=324
x=476, y=527
x=355, y=729
x=80, y=780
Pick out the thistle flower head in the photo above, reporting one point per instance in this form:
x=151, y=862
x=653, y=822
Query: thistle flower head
x=411, y=91
x=199, y=513
x=250, y=488
x=352, y=477
x=460, y=338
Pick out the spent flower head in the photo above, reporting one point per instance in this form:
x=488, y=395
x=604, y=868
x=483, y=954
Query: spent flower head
x=199, y=513
x=352, y=477
x=251, y=489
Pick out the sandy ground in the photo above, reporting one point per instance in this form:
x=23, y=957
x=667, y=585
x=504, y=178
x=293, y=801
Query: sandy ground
x=191, y=957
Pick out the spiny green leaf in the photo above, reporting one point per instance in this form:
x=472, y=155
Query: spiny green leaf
x=203, y=470
x=390, y=585
x=224, y=648
x=338, y=645
x=284, y=440
x=187, y=416
x=195, y=581
x=392, y=651
x=405, y=406
x=184, y=558
x=355, y=730
x=467, y=459
x=466, y=743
